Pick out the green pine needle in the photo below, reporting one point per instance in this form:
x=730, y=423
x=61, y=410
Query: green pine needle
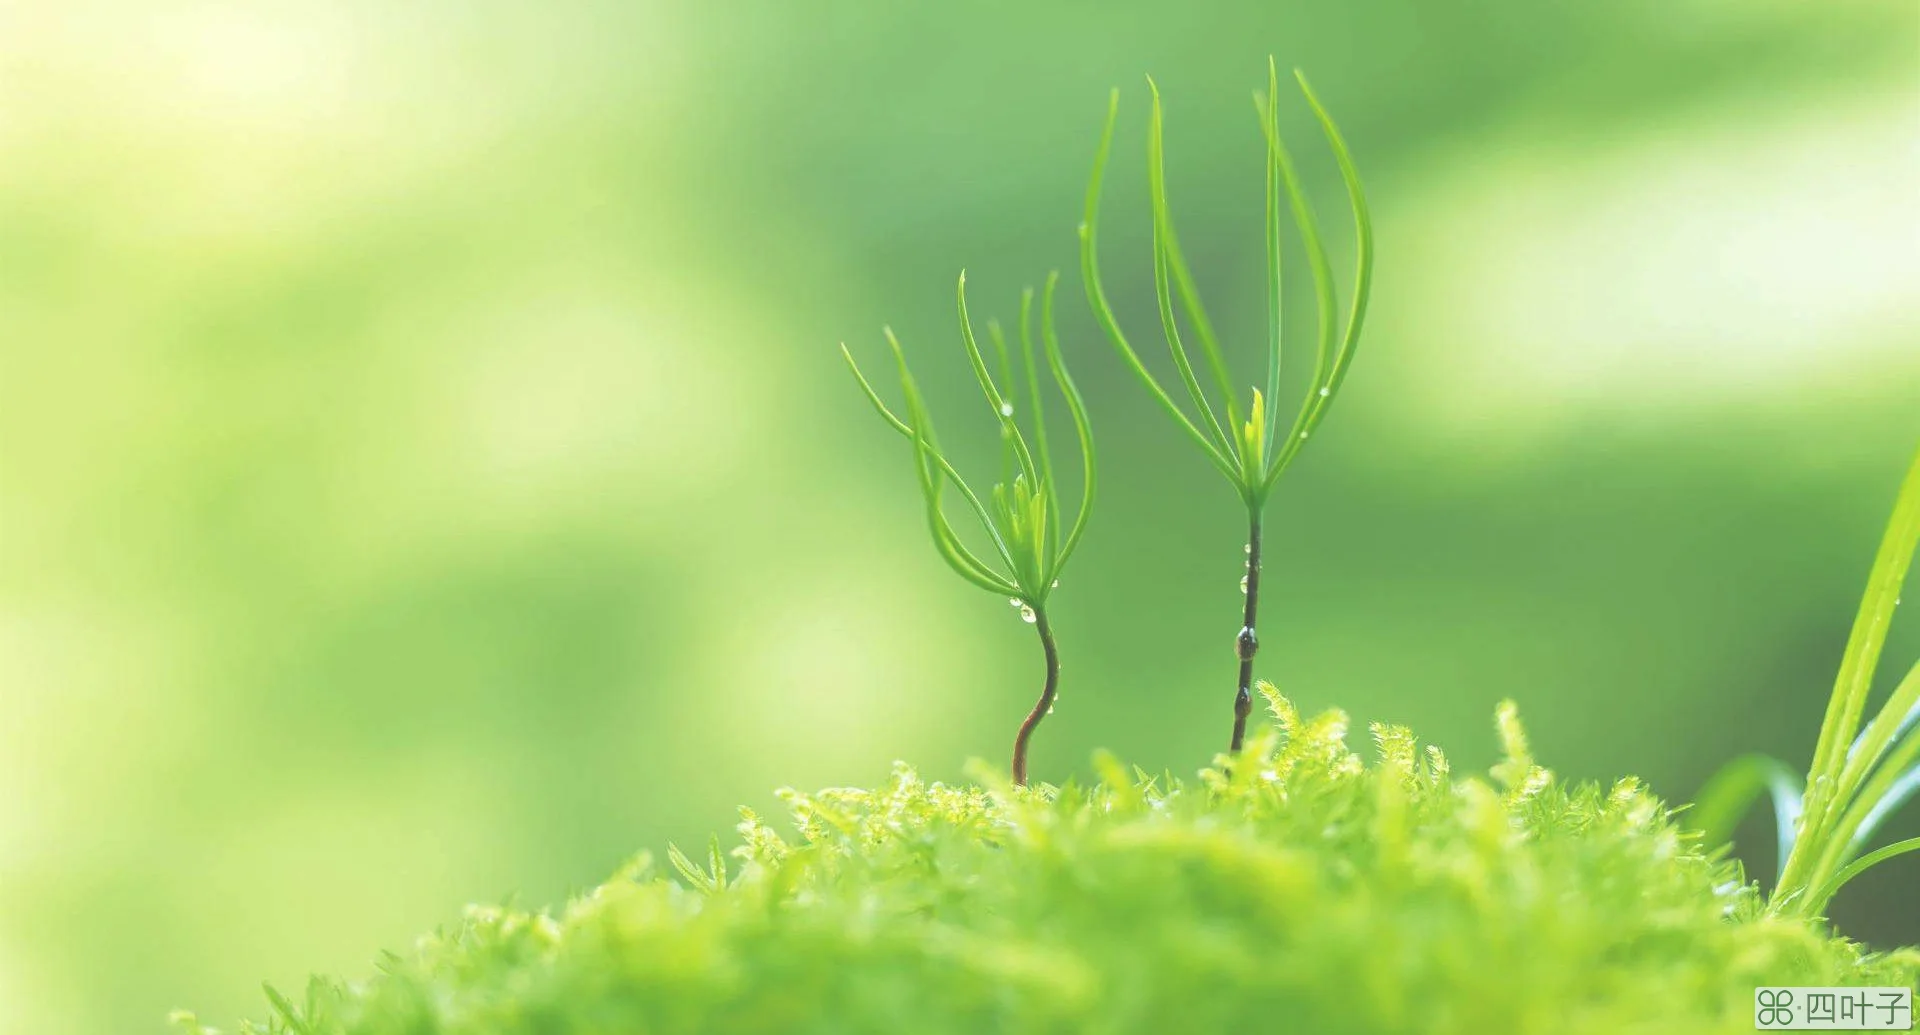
x=1023, y=516
x=1252, y=462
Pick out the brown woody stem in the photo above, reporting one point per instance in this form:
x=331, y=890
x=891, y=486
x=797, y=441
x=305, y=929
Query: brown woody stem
x=1247, y=644
x=1045, y=703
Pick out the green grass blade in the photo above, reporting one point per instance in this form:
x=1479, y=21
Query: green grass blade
x=1895, y=719
x=1899, y=791
x=1082, y=427
x=1731, y=791
x=1855, y=869
x=1890, y=784
x=1049, y=483
x=973, y=502
x=1163, y=292
x=1862, y=656
x=1103, y=312
x=1911, y=718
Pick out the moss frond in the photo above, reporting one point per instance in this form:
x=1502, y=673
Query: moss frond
x=1294, y=881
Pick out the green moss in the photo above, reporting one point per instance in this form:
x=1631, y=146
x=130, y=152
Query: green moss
x=1300, y=889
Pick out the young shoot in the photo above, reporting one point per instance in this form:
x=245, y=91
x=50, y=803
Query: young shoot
x=1022, y=517
x=1254, y=452
x=1859, y=777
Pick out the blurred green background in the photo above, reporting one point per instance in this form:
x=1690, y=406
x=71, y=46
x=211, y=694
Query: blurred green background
x=427, y=472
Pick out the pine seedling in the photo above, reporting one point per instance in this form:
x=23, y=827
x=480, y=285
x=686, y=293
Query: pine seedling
x=1859, y=777
x=1023, y=519
x=1251, y=454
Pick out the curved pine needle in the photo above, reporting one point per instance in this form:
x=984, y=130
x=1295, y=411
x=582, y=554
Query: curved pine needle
x=1183, y=282
x=1103, y=312
x=973, y=502
x=1041, y=447
x=1323, y=396
x=1362, y=235
x=931, y=473
x=1002, y=406
x=1163, y=293
x=1009, y=461
x=1082, y=426
x=1270, y=127
x=1325, y=302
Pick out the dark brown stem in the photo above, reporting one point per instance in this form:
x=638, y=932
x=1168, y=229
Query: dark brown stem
x=1046, y=698
x=1247, y=644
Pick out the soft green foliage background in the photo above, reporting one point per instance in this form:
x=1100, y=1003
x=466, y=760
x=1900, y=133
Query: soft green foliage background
x=426, y=472
x=1299, y=889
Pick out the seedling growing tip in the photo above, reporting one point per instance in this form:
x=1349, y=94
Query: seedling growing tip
x=1024, y=519
x=1252, y=454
